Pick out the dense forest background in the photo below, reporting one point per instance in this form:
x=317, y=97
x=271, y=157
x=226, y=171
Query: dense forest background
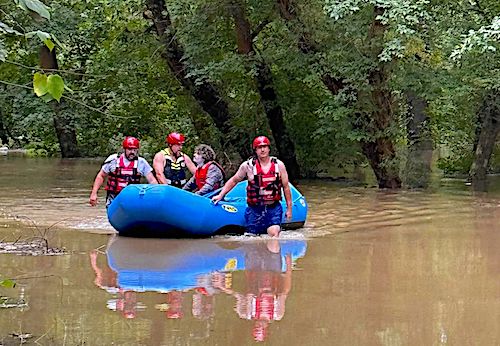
x=393, y=85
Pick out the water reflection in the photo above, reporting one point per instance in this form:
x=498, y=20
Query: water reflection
x=188, y=275
x=266, y=285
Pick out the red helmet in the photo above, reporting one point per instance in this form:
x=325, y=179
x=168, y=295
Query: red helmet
x=260, y=141
x=175, y=138
x=131, y=143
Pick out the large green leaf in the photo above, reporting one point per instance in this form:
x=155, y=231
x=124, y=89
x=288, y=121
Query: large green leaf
x=40, y=84
x=55, y=85
x=21, y=4
x=50, y=45
x=47, y=98
x=7, y=283
x=35, y=6
x=42, y=35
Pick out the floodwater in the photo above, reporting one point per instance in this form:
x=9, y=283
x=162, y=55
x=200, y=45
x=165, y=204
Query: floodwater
x=370, y=268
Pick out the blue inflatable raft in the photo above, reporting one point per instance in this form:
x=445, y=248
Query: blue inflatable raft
x=165, y=211
x=163, y=265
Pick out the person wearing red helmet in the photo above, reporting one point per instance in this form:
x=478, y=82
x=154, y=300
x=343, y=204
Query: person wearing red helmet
x=170, y=164
x=267, y=180
x=122, y=170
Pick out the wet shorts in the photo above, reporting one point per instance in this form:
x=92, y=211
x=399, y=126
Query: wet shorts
x=259, y=218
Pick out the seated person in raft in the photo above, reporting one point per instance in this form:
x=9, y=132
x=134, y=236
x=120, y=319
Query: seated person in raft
x=209, y=175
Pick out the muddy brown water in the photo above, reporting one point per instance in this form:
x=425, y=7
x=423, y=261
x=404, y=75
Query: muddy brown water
x=370, y=268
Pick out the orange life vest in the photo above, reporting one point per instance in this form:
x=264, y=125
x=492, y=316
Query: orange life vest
x=201, y=175
x=123, y=175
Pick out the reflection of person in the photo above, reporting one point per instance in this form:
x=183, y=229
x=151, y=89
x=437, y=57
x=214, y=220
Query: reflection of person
x=209, y=174
x=127, y=303
x=106, y=278
x=208, y=285
x=122, y=170
x=267, y=176
x=170, y=163
x=174, y=301
x=267, y=287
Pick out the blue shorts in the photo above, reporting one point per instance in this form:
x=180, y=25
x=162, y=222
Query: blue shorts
x=259, y=218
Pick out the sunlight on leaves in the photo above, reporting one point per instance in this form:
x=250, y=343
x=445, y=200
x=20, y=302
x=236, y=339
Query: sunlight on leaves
x=55, y=85
x=40, y=84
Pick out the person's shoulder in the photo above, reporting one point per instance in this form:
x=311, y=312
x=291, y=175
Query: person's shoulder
x=143, y=165
x=280, y=163
x=215, y=166
x=111, y=158
x=142, y=160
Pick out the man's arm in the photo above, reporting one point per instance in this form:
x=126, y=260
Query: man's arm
x=159, y=166
x=235, y=179
x=286, y=190
x=151, y=178
x=99, y=179
x=190, y=185
x=190, y=164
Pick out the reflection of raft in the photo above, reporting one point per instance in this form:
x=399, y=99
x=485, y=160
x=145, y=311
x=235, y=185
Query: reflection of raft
x=167, y=211
x=164, y=265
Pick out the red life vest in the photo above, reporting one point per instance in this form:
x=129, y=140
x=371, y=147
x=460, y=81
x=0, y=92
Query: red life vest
x=264, y=188
x=201, y=175
x=123, y=175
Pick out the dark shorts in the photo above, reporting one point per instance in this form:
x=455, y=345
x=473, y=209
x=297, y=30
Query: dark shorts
x=259, y=218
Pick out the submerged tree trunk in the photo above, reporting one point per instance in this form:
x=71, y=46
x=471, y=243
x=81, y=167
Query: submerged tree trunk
x=205, y=93
x=380, y=149
x=418, y=165
x=265, y=86
x=489, y=117
x=4, y=138
x=63, y=124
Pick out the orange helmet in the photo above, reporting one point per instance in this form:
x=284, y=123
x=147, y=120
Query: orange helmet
x=260, y=141
x=130, y=143
x=175, y=138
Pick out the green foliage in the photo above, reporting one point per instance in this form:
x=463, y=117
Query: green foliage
x=113, y=80
x=34, y=5
x=7, y=283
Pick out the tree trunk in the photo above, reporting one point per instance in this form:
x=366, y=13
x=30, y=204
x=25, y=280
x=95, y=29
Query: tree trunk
x=206, y=94
x=418, y=165
x=4, y=138
x=63, y=124
x=489, y=116
x=380, y=149
x=268, y=96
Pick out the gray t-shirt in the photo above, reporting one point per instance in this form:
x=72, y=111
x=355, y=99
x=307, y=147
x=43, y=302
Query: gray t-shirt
x=111, y=163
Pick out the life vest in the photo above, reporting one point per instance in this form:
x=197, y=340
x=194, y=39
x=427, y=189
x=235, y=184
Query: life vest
x=201, y=175
x=264, y=307
x=175, y=169
x=123, y=175
x=264, y=188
